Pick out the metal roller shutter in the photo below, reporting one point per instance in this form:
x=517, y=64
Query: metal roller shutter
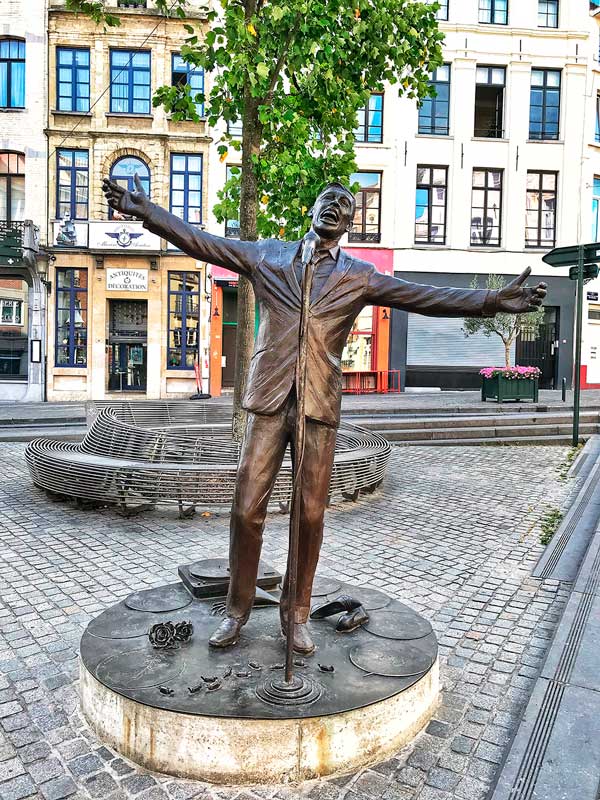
x=440, y=342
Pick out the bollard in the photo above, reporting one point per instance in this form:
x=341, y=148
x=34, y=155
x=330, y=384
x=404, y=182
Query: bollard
x=564, y=390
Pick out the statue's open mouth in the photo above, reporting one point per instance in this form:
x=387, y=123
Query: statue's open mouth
x=329, y=216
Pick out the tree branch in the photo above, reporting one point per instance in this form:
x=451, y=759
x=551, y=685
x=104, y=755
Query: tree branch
x=279, y=64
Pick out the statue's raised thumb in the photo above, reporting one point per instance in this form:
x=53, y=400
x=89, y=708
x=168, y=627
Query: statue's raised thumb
x=522, y=277
x=138, y=184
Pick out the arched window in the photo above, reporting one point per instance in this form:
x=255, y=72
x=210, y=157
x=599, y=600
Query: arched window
x=12, y=187
x=124, y=170
x=12, y=73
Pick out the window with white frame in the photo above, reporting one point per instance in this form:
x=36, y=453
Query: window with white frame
x=442, y=13
x=548, y=13
x=493, y=12
x=11, y=311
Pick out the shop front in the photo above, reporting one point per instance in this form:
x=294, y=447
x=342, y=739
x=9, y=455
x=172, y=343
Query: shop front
x=365, y=360
x=127, y=324
x=22, y=313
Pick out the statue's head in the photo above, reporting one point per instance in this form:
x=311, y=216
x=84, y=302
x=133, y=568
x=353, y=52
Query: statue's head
x=333, y=211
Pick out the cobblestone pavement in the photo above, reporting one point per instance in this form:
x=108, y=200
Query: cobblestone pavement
x=453, y=531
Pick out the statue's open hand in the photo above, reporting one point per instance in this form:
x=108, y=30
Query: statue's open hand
x=134, y=204
x=515, y=298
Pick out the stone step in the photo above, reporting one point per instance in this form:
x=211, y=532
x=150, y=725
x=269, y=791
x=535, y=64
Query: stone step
x=62, y=433
x=509, y=440
x=407, y=423
x=492, y=433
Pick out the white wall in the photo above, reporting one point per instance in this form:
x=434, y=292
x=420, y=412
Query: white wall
x=23, y=130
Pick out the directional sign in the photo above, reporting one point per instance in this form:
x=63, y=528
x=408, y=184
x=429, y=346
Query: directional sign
x=569, y=256
x=583, y=260
x=590, y=271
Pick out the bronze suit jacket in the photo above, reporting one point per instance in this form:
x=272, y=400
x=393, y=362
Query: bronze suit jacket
x=269, y=264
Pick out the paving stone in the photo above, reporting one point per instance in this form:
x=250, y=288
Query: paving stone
x=453, y=761
x=18, y=788
x=42, y=771
x=430, y=793
x=100, y=785
x=8, y=709
x=324, y=791
x=58, y=788
x=471, y=789
x=397, y=793
x=411, y=776
x=437, y=728
x=489, y=752
x=440, y=535
x=371, y=784
x=84, y=765
x=11, y=768
x=121, y=767
x=135, y=784
x=463, y=744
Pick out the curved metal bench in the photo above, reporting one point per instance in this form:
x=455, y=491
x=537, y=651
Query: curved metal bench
x=137, y=455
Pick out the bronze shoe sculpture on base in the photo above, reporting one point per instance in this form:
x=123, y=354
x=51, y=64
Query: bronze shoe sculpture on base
x=342, y=603
x=352, y=620
x=227, y=634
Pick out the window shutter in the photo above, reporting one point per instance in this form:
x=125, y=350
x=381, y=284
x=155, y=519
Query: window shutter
x=439, y=342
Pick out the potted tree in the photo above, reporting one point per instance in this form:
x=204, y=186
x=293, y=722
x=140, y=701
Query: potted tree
x=507, y=382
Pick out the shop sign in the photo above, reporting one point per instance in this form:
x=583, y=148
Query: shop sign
x=70, y=234
x=122, y=236
x=126, y=280
x=592, y=296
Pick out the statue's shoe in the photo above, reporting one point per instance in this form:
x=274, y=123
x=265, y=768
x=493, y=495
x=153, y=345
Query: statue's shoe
x=303, y=643
x=342, y=603
x=227, y=633
x=352, y=620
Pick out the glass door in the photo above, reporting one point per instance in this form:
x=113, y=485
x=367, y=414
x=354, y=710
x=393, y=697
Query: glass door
x=127, y=367
x=127, y=346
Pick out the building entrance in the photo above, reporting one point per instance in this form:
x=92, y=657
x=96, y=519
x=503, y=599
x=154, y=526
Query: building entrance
x=540, y=348
x=127, y=346
x=229, y=337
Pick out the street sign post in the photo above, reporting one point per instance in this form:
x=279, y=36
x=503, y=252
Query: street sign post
x=583, y=259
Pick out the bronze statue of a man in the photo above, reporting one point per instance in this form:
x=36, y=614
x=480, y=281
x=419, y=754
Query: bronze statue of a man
x=342, y=286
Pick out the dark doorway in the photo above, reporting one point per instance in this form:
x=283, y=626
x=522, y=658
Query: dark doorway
x=229, y=336
x=541, y=350
x=127, y=346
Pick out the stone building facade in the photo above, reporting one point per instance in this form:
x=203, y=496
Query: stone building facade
x=488, y=177
x=23, y=160
x=128, y=316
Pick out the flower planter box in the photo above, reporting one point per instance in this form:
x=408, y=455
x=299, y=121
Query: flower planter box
x=504, y=389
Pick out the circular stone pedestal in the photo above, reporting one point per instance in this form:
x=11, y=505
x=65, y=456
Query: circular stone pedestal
x=195, y=712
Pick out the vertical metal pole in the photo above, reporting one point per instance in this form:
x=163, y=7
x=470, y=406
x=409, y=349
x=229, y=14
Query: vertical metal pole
x=292, y=569
x=579, y=323
x=564, y=389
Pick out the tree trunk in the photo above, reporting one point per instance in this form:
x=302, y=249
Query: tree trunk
x=251, y=138
x=507, y=345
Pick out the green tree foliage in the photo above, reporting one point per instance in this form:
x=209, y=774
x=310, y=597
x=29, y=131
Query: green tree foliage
x=294, y=73
x=506, y=326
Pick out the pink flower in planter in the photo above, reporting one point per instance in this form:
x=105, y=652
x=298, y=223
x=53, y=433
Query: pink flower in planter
x=511, y=373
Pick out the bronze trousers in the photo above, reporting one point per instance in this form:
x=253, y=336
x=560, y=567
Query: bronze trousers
x=262, y=452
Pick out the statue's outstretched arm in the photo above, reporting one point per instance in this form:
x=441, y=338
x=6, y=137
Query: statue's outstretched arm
x=240, y=257
x=436, y=301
